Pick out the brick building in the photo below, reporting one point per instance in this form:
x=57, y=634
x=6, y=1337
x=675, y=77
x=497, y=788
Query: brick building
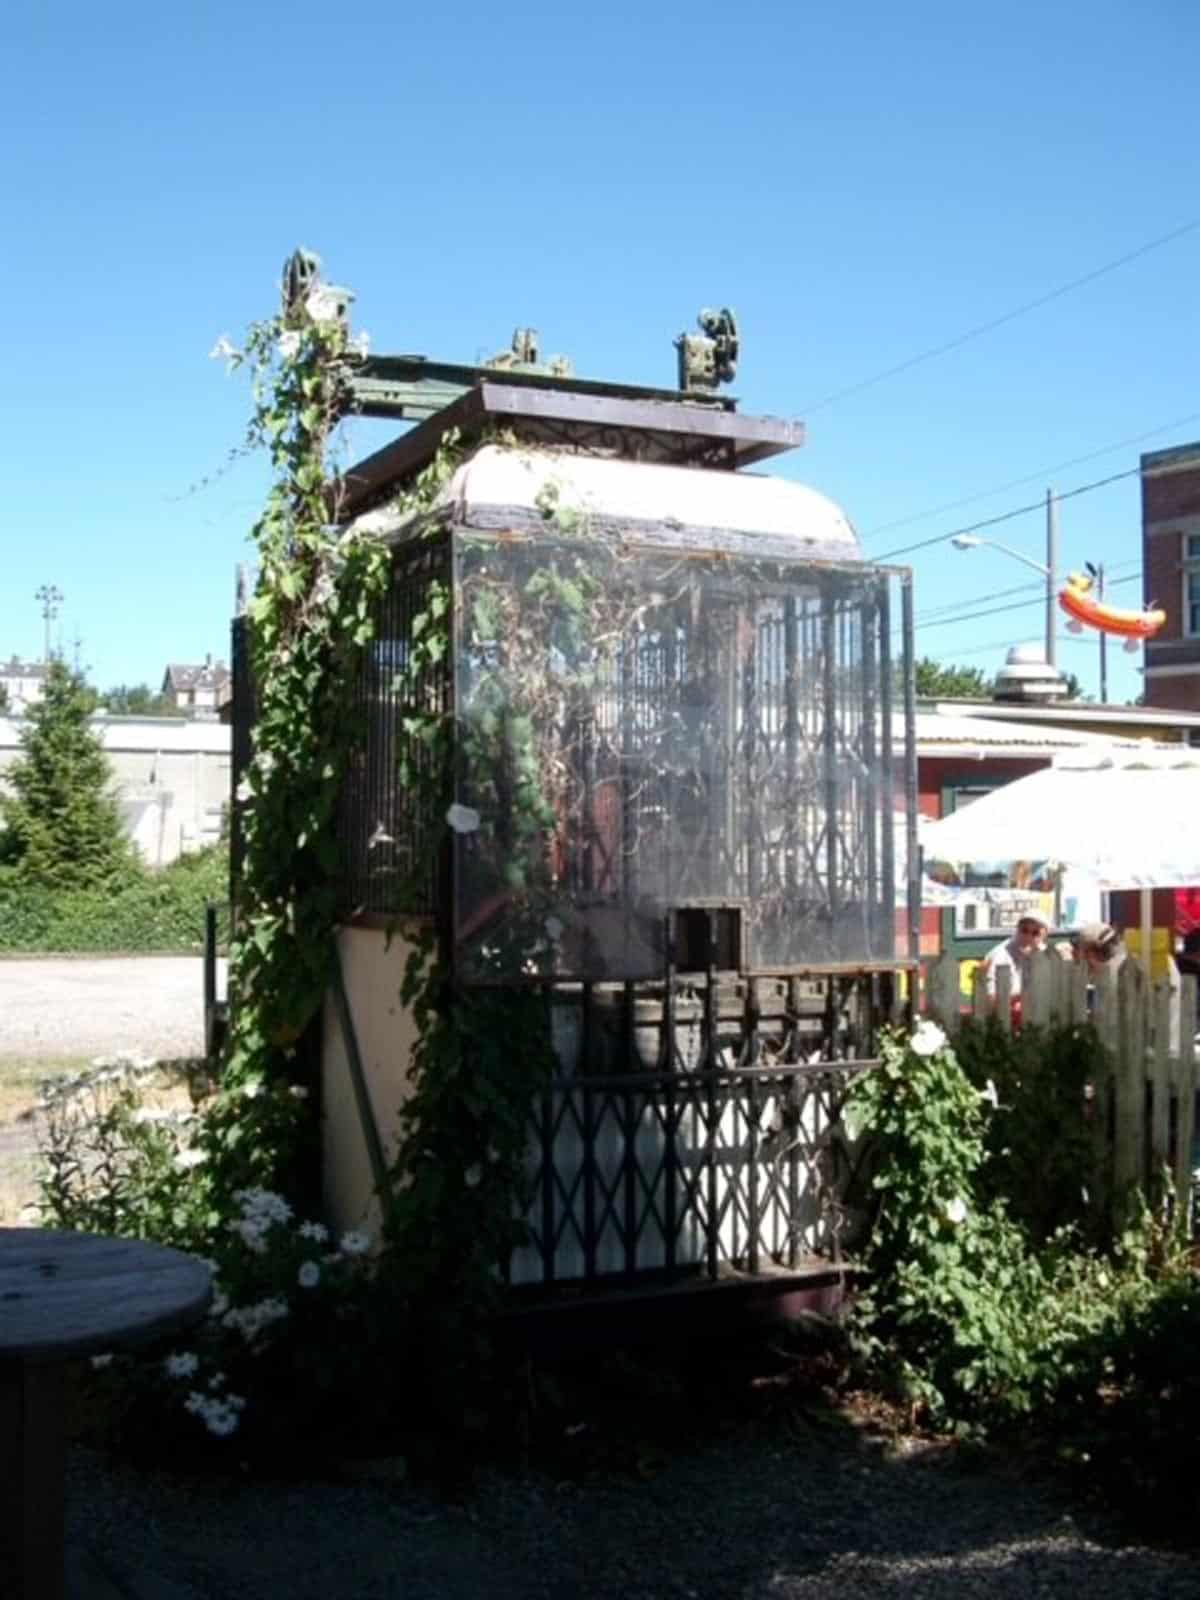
x=1171, y=567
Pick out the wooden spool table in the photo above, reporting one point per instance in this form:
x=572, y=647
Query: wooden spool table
x=62, y=1296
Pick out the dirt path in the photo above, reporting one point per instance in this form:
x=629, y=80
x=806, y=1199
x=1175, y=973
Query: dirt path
x=50, y=1006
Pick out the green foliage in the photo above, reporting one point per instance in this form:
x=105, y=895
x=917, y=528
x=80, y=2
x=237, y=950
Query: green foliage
x=144, y=912
x=1041, y=1152
x=936, y=681
x=459, y=1178
x=5, y=704
x=1133, y=1435
x=118, y=1157
x=62, y=826
x=139, y=700
x=974, y=1323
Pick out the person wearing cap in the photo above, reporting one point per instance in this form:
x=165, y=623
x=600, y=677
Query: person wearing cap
x=1100, y=946
x=1028, y=937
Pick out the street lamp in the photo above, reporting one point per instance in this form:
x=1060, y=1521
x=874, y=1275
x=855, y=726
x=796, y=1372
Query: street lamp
x=971, y=541
x=1048, y=569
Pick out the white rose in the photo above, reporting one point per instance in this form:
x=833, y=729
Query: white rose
x=927, y=1039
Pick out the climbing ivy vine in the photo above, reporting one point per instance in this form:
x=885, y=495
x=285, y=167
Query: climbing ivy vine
x=310, y=615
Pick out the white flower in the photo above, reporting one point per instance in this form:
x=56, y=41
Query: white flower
x=289, y=344
x=225, y=350
x=220, y=1420
x=380, y=836
x=102, y=1361
x=324, y=304
x=472, y=1176
x=187, y=1159
x=297, y=1091
x=956, y=1210
x=316, y=1231
x=263, y=1205
x=243, y=792
x=989, y=1094
x=463, y=819
x=359, y=344
x=355, y=1243
x=220, y=1303
x=927, y=1039
x=309, y=1275
x=184, y=1365
x=252, y=1233
x=251, y=1090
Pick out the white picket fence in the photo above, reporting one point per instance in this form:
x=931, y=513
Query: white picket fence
x=1145, y=1103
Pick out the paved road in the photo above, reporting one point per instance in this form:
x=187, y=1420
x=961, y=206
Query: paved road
x=87, y=1007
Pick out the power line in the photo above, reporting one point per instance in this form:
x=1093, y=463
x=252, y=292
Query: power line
x=1009, y=316
x=1007, y=516
x=1001, y=594
x=1006, y=644
x=1032, y=477
x=1016, y=605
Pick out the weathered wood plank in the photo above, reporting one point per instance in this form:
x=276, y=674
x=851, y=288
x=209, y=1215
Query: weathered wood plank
x=1186, y=1087
x=1161, y=1075
x=1130, y=1075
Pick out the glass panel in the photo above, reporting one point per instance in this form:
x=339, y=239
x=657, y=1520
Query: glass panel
x=648, y=735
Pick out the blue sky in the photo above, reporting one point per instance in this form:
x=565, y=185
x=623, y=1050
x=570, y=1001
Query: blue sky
x=861, y=182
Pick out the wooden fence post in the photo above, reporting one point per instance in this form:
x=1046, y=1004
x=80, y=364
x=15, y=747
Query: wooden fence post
x=1185, y=1088
x=1164, y=996
x=1130, y=1083
x=942, y=990
x=981, y=1000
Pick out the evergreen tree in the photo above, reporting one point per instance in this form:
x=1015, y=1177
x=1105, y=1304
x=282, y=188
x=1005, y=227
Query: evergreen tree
x=62, y=825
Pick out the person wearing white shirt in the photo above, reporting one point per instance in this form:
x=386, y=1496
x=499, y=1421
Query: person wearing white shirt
x=1027, y=937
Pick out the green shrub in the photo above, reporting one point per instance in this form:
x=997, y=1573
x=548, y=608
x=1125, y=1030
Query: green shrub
x=280, y=1367
x=973, y=1319
x=142, y=911
x=117, y=1157
x=1040, y=1153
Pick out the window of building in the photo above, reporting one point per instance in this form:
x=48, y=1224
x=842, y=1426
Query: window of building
x=1191, y=584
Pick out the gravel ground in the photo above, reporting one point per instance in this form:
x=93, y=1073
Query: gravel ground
x=756, y=1518
x=58, y=1007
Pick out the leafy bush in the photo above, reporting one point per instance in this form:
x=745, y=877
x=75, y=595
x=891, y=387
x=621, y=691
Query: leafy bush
x=1134, y=1435
x=974, y=1321
x=276, y=1371
x=1040, y=1152
x=142, y=911
x=268, y=1372
x=118, y=1153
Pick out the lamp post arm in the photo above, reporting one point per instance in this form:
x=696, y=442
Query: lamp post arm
x=994, y=544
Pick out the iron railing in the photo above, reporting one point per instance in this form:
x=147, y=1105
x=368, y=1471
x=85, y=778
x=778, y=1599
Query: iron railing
x=693, y=1128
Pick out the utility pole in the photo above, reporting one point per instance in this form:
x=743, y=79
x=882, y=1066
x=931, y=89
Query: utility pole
x=1103, y=639
x=50, y=598
x=1051, y=574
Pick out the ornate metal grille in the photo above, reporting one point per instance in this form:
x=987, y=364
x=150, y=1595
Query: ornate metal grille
x=724, y=1154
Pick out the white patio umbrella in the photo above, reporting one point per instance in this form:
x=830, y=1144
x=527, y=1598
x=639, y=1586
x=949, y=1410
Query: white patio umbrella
x=1128, y=818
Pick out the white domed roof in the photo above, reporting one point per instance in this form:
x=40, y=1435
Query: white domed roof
x=500, y=486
